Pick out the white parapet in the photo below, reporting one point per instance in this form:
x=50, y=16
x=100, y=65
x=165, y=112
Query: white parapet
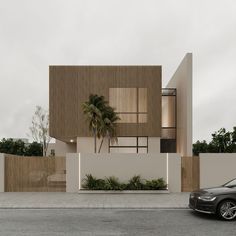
x=72, y=172
x=2, y=172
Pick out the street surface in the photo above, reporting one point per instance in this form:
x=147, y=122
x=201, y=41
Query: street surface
x=164, y=222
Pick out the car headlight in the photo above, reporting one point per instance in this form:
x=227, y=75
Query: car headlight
x=207, y=198
x=191, y=195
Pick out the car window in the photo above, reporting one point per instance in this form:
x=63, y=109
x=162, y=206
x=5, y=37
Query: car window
x=231, y=183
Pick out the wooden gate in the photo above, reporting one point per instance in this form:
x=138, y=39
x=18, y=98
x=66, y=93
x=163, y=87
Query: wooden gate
x=190, y=173
x=35, y=174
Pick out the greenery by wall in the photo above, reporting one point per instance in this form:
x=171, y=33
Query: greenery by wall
x=222, y=142
x=113, y=183
x=20, y=148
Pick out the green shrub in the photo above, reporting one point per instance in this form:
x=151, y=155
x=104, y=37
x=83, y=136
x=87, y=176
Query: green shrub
x=112, y=183
x=155, y=184
x=93, y=183
x=135, y=183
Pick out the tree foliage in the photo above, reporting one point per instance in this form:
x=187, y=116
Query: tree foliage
x=34, y=149
x=18, y=147
x=101, y=117
x=12, y=147
x=222, y=142
x=107, y=128
x=40, y=128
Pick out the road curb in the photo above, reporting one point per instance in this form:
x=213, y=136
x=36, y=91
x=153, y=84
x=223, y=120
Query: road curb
x=138, y=208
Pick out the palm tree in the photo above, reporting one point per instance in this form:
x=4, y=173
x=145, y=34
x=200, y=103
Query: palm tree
x=94, y=109
x=108, y=125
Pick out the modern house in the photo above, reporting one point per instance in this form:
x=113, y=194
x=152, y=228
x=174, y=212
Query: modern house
x=153, y=119
x=154, y=133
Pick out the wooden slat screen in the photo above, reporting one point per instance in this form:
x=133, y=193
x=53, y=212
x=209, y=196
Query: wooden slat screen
x=190, y=173
x=35, y=174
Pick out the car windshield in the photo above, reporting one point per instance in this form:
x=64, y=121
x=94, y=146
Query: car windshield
x=230, y=184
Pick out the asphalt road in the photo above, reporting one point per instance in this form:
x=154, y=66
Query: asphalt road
x=111, y=222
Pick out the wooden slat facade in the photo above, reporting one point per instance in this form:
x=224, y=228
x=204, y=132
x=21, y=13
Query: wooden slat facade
x=70, y=86
x=35, y=174
x=190, y=173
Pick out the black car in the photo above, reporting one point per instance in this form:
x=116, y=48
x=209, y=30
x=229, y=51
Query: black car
x=220, y=200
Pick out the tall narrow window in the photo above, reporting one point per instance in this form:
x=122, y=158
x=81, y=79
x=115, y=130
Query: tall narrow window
x=168, y=136
x=130, y=104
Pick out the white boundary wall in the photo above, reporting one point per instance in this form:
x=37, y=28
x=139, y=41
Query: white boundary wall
x=2, y=172
x=216, y=168
x=123, y=166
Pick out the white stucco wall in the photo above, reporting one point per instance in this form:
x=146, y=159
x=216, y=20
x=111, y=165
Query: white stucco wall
x=174, y=172
x=2, y=172
x=154, y=145
x=86, y=145
x=72, y=173
x=182, y=81
x=216, y=168
x=125, y=166
x=61, y=148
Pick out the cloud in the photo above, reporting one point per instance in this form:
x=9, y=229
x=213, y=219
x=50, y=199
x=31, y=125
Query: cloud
x=35, y=34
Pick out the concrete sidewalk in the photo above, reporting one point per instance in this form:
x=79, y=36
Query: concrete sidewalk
x=75, y=200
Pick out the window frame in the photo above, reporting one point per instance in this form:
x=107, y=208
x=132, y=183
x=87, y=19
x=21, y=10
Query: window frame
x=137, y=113
x=137, y=146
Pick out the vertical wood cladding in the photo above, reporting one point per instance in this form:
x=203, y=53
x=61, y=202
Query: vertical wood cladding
x=70, y=86
x=34, y=174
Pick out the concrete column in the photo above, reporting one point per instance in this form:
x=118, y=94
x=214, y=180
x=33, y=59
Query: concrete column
x=174, y=172
x=2, y=172
x=72, y=172
x=182, y=81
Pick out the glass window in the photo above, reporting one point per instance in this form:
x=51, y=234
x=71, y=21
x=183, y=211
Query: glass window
x=129, y=145
x=142, y=118
x=142, y=141
x=142, y=150
x=142, y=100
x=168, y=133
x=123, y=99
x=127, y=118
x=125, y=141
x=168, y=111
x=123, y=150
x=130, y=104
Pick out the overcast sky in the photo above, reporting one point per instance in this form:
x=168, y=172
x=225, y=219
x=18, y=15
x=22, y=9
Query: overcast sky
x=36, y=34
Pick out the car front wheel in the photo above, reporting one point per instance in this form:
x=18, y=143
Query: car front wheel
x=227, y=210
